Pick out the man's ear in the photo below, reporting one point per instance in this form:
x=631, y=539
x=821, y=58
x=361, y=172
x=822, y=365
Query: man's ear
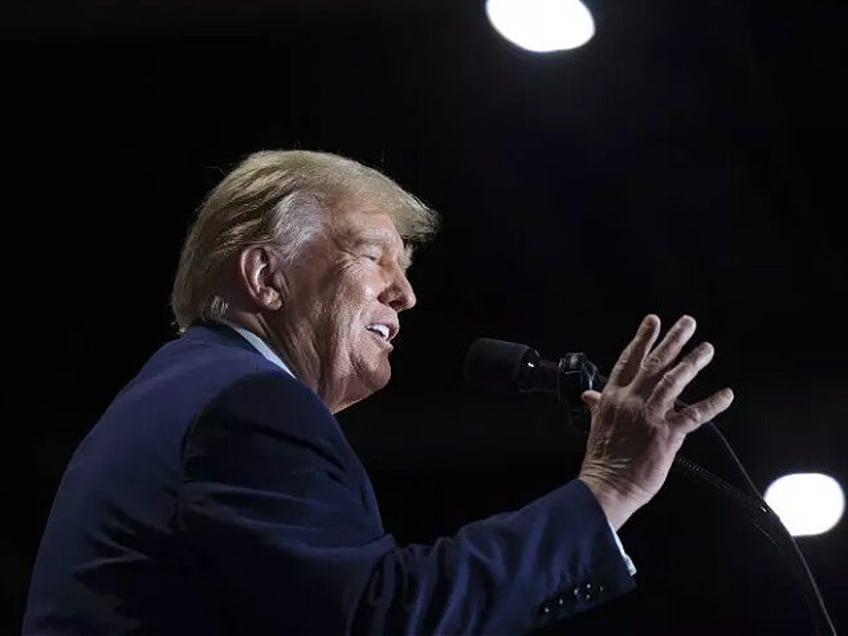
x=260, y=276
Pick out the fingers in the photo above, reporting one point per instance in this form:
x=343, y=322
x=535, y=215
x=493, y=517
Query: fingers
x=657, y=376
x=690, y=418
x=655, y=363
x=673, y=382
x=630, y=360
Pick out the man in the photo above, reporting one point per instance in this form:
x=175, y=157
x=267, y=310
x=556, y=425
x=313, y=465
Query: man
x=218, y=495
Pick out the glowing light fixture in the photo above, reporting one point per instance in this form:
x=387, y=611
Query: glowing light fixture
x=807, y=503
x=542, y=26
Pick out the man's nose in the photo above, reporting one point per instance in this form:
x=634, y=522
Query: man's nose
x=399, y=295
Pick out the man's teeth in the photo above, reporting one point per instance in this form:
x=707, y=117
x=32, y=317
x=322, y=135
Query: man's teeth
x=383, y=330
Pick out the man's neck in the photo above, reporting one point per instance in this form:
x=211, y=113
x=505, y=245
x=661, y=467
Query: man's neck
x=259, y=343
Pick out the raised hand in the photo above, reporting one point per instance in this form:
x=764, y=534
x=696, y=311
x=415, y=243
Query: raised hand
x=636, y=430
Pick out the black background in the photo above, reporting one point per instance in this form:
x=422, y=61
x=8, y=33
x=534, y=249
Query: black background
x=689, y=159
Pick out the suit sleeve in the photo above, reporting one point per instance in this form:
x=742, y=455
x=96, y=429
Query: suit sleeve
x=272, y=508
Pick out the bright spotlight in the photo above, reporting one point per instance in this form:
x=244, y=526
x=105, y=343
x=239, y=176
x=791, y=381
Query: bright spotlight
x=807, y=503
x=542, y=26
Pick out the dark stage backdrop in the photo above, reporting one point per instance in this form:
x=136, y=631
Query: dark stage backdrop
x=690, y=158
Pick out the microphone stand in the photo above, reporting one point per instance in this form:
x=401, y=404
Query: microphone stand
x=577, y=374
x=757, y=511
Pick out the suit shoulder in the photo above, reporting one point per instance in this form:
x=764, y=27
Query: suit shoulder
x=273, y=402
x=270, y=393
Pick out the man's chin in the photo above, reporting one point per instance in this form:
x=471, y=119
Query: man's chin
x=368, y=382
x=378, y=378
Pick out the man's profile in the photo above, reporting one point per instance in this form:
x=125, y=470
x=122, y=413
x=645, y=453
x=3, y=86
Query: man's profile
x=217, y=494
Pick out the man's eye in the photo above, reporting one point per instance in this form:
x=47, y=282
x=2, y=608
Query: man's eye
x=372, y=257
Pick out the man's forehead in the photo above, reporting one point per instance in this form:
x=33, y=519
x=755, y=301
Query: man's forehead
x=359, y=223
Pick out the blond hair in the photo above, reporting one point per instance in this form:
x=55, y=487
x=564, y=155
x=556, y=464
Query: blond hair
x=270, y=197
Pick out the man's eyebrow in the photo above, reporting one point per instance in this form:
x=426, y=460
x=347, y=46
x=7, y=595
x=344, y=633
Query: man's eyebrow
x=383, y=240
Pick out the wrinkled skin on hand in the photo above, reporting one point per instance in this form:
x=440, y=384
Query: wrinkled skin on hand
x=636, y=430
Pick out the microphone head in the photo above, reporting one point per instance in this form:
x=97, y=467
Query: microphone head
x=496, y=364
x=509, y=367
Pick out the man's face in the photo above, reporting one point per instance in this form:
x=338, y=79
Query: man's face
x=341, y=304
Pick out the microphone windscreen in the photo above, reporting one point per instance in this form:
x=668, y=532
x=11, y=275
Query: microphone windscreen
x=494, y=364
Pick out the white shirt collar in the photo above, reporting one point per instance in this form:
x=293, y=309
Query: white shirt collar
x=259, y=345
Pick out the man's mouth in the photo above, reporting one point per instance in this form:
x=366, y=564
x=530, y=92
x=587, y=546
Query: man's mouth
x=385, y=331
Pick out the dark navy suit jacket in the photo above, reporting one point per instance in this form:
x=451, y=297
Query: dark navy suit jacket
x=218, y=495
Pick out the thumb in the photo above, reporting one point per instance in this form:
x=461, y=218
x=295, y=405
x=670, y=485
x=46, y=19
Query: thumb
x=591, y=399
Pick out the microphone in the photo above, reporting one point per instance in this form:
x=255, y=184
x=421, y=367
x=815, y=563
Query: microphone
x=510, y=366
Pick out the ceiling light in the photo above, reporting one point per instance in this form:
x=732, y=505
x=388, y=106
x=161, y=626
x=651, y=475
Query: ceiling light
x=807, y=503
x=542, y=26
